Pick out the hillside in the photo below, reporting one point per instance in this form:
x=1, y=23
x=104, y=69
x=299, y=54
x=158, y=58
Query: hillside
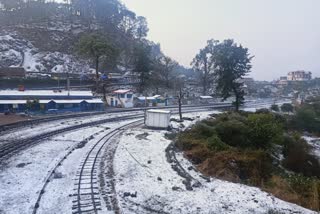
x=42, y=36
x=39, y=50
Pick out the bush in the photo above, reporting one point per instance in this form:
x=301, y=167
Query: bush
x=263, y=128
x=275, y=107
x=298, y=158
x=287, y=107
x=214, y=143
x=263, y=111
x=233, y=133
x=204, y=130
x=306, y=120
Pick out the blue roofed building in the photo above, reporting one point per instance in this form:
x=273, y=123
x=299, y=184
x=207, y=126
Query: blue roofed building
x=44, y=100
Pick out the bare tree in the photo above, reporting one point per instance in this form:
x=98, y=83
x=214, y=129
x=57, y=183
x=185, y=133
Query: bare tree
x=180, y=93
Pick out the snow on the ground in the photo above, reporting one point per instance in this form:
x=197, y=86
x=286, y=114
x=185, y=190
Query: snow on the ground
x=141, y=167
x=58, y=193
x=195, y=116
x=314, y=142
x=20, y=186
x=30, y=131
x=22, y=180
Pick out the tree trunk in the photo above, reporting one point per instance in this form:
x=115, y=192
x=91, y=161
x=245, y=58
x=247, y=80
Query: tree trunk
x=204, y=92
x=104, y=92
x=237, y=102
x=97, y=73
x=180, y=104
x=97, y=68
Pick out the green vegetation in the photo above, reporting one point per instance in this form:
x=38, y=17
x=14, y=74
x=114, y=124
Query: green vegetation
x=94, y=47
x=259, y=149
x=225, y=63
x=307, y=118
x=275, y=108
x=287, y=107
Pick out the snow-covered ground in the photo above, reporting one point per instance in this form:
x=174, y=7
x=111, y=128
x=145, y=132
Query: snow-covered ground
x=314, y=142
x=147, y=183
x=24, y=177
x=30, y=131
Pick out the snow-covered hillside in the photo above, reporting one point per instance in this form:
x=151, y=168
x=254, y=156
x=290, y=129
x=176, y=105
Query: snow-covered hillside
x=16, y=51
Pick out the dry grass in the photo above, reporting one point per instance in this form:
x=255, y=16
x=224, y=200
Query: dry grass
x=281, y=188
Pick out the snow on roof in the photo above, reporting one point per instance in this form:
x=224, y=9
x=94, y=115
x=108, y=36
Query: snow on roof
x=13, y=101
x=157, y=96
x=43, y=93
x=94, y=101
x=206, y=97
x=159, y=111
x=144, y=98
x=122, y=91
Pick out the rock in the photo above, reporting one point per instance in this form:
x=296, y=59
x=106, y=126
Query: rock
x=126, y=194
x=175, y=188
x=159, y=179
x=21, y=165
x=149, y=161
x=57, y=175
x=197, y=184
x=134, y=195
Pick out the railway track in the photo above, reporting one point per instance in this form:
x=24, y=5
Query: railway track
x=21, y=124
x=10, y=148
x=87, y=187
x=87, y=195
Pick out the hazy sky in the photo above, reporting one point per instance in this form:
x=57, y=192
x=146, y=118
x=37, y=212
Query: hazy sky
x=283, y=35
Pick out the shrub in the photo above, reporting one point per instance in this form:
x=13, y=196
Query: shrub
x=263, y=128
x=214, y=143
x=275, y=107
x=263, y=111
x=204, y=130
x=287, y=107
x=306, y=119
x=298, y=158
x=233, y=133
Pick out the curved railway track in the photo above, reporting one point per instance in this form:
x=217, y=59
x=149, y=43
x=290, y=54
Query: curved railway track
x=87, y=187
x=21, y=124
x=87, y=195
x=10, y=148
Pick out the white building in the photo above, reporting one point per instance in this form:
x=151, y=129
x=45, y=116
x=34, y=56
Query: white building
x=299, y=76
x=121, y=98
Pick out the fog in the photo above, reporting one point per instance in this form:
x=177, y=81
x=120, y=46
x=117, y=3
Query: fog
x=282, y=35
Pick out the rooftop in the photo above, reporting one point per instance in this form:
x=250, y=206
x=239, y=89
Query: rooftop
x=44, y=93
x=122, y=91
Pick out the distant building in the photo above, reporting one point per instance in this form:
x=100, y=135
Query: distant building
x=283, y=81
x=16, y=72
x=299, y=76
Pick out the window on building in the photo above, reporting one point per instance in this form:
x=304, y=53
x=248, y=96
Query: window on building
x=122, y=95
x=129, y=96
